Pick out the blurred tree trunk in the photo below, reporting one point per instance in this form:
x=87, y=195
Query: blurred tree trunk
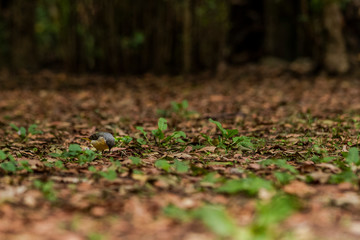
x=335, y=57
x=22, y=34
x=68, y=35
x=187, y=37
x=280, y=28
x=119, y=36
x=110, y=37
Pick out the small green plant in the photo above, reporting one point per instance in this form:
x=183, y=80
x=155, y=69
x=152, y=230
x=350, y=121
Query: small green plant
x=159, y=132
x=346, y=175
x=159, y=135
x=180, y=166
x=177, y=166
x=180, y=109
x=110, y=173
x=124, y=140
x=25, y=165
x=317, y=159
x=9, y=166
x=353, y=156
x=227, y=139
x=47, y=188
x=135, y=160
x=116, y=164
x=96, y=236
x=23, y=133
x=243, y=143
x=75, y=152
x=281, y=163
x=210, y=178
x=250, y=185
x=163, y=164
x=348, y=167
x=217, y=219
x=145, y=140
x=58, y=164
x=177, y=213
x=8, y=163
x=287, y=173
x=268, y=215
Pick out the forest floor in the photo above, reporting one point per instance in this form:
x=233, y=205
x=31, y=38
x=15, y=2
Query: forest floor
x=277, y=160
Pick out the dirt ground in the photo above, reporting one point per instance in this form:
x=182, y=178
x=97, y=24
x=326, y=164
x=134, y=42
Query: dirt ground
x=292, y=174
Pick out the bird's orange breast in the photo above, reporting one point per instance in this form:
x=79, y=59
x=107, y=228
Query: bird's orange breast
x=100, y=144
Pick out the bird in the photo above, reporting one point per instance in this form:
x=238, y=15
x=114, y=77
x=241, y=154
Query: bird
x=102, y=141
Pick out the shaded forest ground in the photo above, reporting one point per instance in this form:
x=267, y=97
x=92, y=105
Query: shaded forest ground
x=290, y=170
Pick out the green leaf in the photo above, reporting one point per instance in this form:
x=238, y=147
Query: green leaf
x=116, y=164
x=218, y=124
x=184, y=104
x=136, y=171
x=177, y=213
x=250, y=185
x=175, y=106
x=162, y=124
x=243, y=142
x=92, y=169
x=91, y=155
x=279, y=208
x=135, y=160
x=344, y=176
x=37, y=183
x=281, y=163
x=126, y=139
x=178, y=134
x=210, y=178
x=2, y=155
x=141, y=141
x=231, y=132
x=163, y=164
x=353, y=156
x=47, y=189
x=8, y=166
x=25, y=165
x=14, y=127
x=158, y=134
x=22, y=132
x=141, y=129
x=109, y=175
x=75, y=148
x=59, y=164
x=55, y=154
x=11, y=158
x=181, y=167
x=88, y=156
x=32, y=129
x=217, y=219
x=283, y=177
x=207, y=138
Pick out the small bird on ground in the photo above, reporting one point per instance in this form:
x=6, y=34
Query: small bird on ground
x=102, y=141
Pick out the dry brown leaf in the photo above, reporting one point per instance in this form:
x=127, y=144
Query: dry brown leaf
x=298, y=188
x=207, y=149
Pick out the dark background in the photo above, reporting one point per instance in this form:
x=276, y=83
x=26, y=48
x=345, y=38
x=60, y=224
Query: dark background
x=178, y=36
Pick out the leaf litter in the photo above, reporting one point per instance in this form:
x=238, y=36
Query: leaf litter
x=278, y=159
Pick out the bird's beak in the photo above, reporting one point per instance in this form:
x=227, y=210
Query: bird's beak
x=87, y=139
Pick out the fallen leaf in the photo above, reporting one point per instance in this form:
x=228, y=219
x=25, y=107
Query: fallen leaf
x=298, y=188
